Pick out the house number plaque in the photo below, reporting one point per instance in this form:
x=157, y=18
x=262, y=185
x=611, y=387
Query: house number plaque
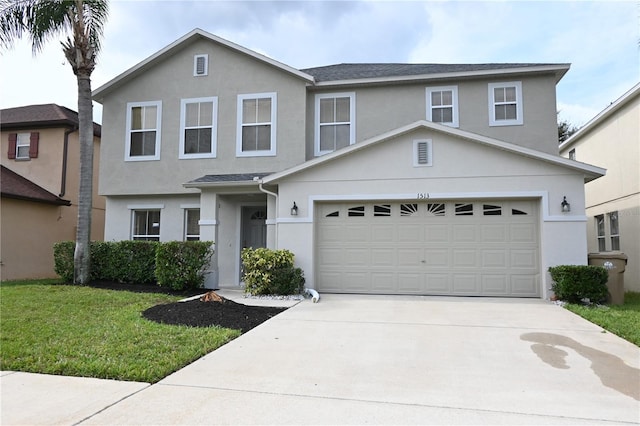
x=423, y=196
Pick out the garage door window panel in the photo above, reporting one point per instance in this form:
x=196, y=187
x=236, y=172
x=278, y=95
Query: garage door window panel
x=464, y=209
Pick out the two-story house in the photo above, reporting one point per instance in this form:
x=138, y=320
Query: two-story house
x=40, y=182
x=612, y=139
x=381, y=178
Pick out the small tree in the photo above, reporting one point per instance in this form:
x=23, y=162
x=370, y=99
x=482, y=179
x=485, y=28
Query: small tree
x=565, y=130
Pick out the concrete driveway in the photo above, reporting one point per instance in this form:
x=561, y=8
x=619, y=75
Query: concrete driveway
x=393, y=360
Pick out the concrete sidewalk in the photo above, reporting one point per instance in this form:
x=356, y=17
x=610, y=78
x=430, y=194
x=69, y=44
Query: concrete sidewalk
x=371, y=359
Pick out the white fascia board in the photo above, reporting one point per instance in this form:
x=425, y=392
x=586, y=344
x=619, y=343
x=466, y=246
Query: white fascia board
x=603, y=115
x=99, y=92
x=560, y=71
x=224, y=184
x=590, y=171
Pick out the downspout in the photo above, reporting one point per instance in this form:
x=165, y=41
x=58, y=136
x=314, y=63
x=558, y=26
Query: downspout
x=65, y=150
x=276, y=197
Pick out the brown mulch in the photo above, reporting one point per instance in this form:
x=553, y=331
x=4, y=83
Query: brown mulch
x=196, y=313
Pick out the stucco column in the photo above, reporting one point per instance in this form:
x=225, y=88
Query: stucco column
x=271, y=222
x=209, y=232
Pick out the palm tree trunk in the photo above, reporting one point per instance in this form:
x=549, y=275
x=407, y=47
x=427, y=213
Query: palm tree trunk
x=82, y=257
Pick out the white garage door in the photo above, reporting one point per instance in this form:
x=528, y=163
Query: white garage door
x=480, y=248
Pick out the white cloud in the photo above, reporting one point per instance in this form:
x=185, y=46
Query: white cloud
x=599, y=38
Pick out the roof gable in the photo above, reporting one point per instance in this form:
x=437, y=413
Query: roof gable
x=590, y=172
x=602, y=116
x=20, y=188
x=182, y=43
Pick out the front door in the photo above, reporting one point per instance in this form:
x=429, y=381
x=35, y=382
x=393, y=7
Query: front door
x=253, y=229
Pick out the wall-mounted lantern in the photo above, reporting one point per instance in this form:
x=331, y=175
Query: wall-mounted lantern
x=294, y=209
x=566, y=207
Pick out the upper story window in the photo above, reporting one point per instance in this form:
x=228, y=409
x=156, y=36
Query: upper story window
x=335, y=126
x=143, y=131
x=200, y=65
x=198, y=127
x=442, y=105
x=23, y=146
x=572, y=154
x=505, y=104
x=256, y=130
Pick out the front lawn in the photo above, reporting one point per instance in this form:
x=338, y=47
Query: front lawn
x=623, y=320
x=51, y=328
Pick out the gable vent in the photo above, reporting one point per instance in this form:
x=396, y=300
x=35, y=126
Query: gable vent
x=200, y=65
x=422, y=153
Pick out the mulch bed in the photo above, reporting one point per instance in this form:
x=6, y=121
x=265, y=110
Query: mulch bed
x=195, y=313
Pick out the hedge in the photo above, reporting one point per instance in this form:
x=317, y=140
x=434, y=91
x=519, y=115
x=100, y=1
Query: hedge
x=182, y=264
x=579, y=283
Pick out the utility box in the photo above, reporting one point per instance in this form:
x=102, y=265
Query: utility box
x=614, y=263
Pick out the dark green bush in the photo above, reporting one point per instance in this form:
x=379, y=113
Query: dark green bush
x=135, y=262
x=63, y=259
x=269, y=271
x=573, y=283
x=181, y=265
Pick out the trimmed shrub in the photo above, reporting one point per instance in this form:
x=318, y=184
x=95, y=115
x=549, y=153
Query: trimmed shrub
x=132, y=262
x=269, y=271
x=181, y=265
x=63, y=259
x=574, y=283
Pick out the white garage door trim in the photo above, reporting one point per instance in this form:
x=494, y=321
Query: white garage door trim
x=470, y=248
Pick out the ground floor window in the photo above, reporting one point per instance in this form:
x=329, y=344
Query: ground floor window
x=146, y=225
x=191, y=225
x=608, y=231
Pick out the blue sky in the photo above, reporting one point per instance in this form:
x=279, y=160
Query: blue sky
x=600, y=39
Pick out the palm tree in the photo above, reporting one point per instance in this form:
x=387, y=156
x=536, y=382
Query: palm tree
x=83, y=19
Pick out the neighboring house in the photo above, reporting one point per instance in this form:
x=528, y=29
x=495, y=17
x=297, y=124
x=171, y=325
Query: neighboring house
x=612, y=139
x=40, y=177
x=380, y=178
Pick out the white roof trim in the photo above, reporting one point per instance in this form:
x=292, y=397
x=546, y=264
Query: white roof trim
x=603, y=115
x=587, y=169
x=97, y=93
x=562, y=70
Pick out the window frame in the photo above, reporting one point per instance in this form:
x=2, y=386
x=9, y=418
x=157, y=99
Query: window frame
x=518, y=103
x=214, y=127
x=601, y=236
x=186, y=236
x=614, y=237
x=454, y=105
x=146, y=236
x=128, y=130
x=316, y=124
x=26, y=143
x=240, y=125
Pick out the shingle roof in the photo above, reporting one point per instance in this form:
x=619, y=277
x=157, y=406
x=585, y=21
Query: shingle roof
x=18, y=187
x=46, y=115
x=241, y=177
x=380, y=70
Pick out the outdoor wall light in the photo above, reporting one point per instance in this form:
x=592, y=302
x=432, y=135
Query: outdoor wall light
x=294, y=209
x=566, y=207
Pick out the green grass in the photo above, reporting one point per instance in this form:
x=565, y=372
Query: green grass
x=621, y=320
x=47, y=327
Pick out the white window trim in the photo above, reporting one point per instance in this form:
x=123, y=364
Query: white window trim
x=214, y=128
x=133, y=235
x=454, y=90
x=274, y=106
x=519, y=112
x=127, y=150
x=352, y=119
x=26, y=142
x=195, y=65
x=429, y=162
